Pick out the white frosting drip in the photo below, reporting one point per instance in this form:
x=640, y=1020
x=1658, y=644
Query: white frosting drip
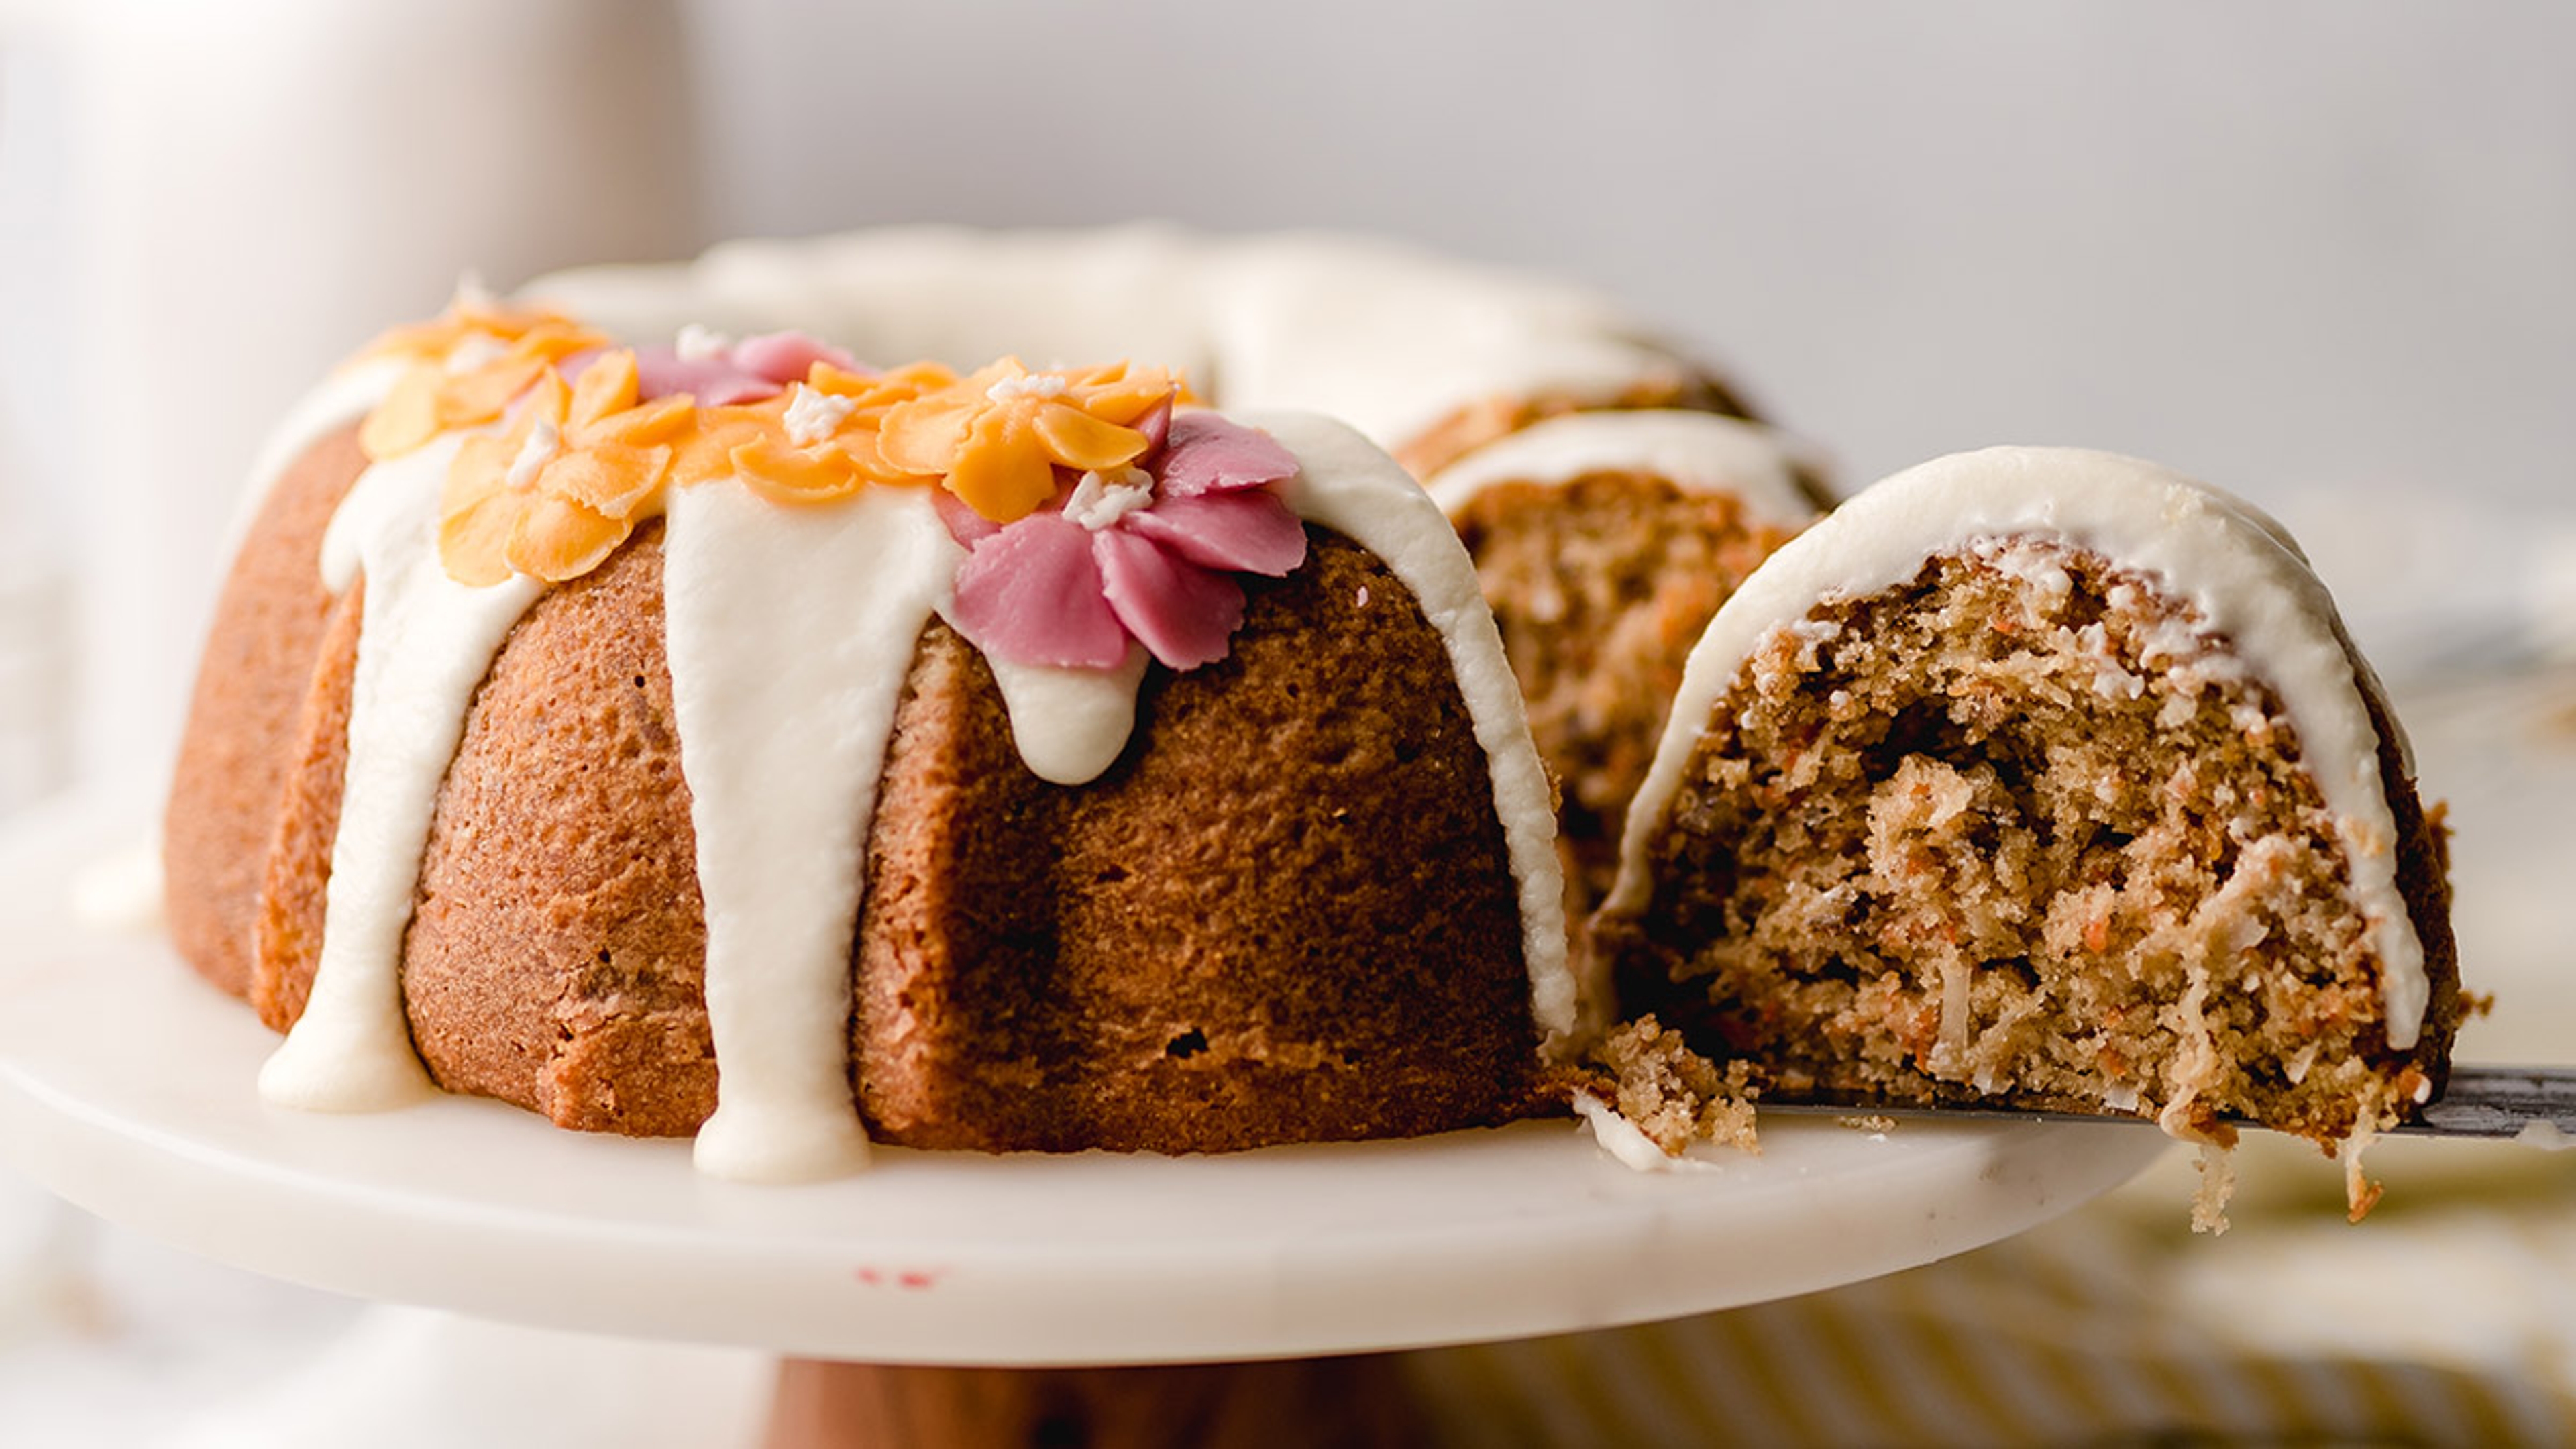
x=1392, y=339
x=791, y=631
x=1070, y=724
x=426, y=643
x=2221, y=555
x=1701, y=452
x=1350, y=487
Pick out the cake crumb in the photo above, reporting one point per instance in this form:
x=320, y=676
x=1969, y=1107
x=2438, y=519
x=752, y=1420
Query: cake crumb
x=2217, y=1168
x=1877, y=1125
x=2360, y=1193
x=1672, y=1094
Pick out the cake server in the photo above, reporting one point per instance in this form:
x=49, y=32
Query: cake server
x=2535, y=1105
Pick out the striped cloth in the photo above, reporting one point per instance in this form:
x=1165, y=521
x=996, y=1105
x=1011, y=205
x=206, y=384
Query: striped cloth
x=2451, y=1322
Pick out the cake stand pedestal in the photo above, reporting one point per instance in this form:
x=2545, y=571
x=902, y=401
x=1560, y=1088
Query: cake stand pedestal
x=1360, y=1402
x=127, y=1087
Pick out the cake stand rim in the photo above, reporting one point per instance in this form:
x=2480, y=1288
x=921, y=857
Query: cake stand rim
x=125, y=1087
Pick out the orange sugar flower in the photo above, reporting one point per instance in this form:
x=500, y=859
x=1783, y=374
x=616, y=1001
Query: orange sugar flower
x=815, y=443
x=566, y=483
x=466, y=367
x=999, y=435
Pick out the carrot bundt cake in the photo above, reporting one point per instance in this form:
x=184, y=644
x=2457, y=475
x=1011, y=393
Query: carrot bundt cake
x=2045, y=777
x=719, y=737
x=725, y=738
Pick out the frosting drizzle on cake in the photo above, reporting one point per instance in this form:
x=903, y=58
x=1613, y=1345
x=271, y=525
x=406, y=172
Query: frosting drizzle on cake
x=793, y=606
x=790, y=631
x=428, y=641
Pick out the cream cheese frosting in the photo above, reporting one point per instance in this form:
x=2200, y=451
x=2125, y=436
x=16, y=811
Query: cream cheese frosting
x=2256, y=597
x=1698, y=451
x=426, y=643
x=790, y=631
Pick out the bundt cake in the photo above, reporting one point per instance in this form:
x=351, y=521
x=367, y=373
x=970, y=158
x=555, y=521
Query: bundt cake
x=722, y=738
x=1604, y=542
x=727, y=739
x=2043, y=777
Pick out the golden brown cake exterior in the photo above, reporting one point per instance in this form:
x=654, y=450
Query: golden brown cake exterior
x=1252, y=929
x=233, y=765
x=557, y=951
x=286, y=931
x=1967, y=838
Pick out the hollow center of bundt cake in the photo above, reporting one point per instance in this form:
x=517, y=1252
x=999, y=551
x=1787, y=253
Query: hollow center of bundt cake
x=2020, y=827
x=1601, y=587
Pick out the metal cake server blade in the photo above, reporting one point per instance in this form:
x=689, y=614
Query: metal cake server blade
x=2539, y=1102
x=2532, y=1104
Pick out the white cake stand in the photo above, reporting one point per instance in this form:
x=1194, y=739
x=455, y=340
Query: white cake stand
x=127, y=1087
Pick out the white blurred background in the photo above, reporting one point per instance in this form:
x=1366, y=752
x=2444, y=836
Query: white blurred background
x=2321, y=252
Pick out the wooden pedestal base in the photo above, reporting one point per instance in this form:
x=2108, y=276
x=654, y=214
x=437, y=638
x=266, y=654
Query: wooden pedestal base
x=1360, y=1402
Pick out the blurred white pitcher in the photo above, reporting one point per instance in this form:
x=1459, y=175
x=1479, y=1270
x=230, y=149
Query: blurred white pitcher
x=261, y=185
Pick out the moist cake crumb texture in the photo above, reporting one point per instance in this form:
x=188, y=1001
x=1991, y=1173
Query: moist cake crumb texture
x=1600, y=587
x=2019, y=829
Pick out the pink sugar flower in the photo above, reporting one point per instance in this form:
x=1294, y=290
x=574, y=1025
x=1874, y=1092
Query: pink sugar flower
x=1147, y=554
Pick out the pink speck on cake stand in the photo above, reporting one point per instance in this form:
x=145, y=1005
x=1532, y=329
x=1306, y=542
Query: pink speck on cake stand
x=954, y=1294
